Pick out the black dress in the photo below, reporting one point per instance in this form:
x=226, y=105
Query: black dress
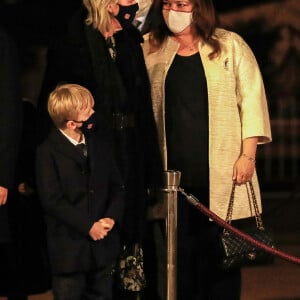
x=187, y=133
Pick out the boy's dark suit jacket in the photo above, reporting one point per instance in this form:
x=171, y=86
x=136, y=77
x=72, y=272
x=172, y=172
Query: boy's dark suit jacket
x=74, y=194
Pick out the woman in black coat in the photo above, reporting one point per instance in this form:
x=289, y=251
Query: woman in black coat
x=108, y=60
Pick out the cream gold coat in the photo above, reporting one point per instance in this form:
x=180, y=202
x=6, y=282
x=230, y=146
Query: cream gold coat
x=237, y=110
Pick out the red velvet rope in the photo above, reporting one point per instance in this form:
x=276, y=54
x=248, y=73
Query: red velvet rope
x=195, y=202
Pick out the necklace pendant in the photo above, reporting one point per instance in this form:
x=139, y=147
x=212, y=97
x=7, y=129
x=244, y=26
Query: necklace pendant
x=110, y=41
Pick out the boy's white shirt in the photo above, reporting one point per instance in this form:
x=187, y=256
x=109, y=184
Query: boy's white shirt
x=74, y=142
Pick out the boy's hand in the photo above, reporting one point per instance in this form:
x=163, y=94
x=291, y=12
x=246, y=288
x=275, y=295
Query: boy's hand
x=98, y=231
x=108, y=223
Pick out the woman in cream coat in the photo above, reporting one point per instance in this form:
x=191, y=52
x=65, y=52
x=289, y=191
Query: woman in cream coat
x=211, y=112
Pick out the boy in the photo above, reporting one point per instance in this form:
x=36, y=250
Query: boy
x=82, y=196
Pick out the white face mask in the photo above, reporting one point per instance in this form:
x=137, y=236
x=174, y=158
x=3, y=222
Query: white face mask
x=177, y=21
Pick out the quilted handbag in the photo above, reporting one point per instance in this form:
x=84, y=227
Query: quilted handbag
x=237, y=252
x=131, y=269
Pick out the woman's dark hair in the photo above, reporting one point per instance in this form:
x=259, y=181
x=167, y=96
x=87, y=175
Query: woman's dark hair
x=204, y=20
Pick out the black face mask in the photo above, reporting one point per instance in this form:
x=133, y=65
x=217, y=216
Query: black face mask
x=89, y=125
x=127, y=14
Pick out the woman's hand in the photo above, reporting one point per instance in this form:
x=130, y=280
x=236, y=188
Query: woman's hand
x=243, y=170
x=244, y=167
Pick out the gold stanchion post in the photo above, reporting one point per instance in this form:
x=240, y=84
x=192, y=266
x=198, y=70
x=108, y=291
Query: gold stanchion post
x=172, y=181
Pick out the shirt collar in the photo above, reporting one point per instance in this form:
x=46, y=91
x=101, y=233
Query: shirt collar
x=74, y=142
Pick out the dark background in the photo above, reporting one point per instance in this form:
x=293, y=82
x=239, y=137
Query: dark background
x=39, y=20
x=270, y=27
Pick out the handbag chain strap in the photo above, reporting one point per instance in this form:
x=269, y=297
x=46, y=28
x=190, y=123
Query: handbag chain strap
x=252, y=197
x=195, y=202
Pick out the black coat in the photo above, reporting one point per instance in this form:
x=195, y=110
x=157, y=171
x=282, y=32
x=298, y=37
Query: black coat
x=27, y=248
x=75, y=193
x=82, y=57
x=10, y=121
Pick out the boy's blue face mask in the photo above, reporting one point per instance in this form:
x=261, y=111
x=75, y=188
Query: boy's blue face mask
x=127, y=14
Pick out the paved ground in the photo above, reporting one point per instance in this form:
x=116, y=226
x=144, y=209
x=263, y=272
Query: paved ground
x=281, y=281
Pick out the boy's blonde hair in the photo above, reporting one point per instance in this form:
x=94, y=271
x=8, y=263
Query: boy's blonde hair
x=98, y=15
x=66, y=101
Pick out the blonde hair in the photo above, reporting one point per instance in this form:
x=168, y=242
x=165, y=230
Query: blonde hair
x=66, y=101
x=98, y=15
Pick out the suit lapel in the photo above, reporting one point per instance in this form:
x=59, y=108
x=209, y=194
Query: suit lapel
x=63, y=145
